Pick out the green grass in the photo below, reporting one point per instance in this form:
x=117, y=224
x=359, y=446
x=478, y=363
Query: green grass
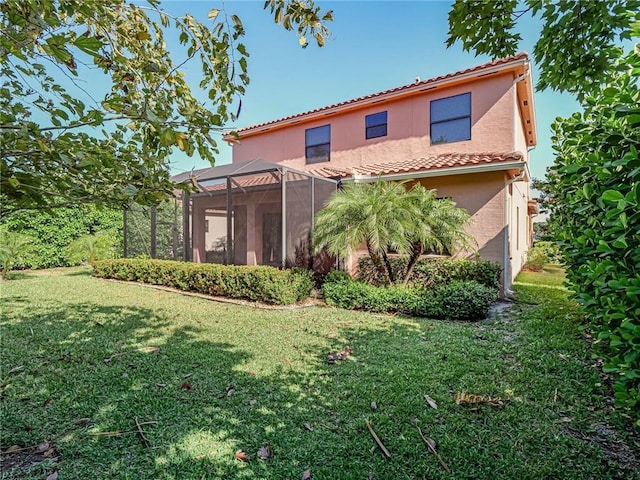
x=76, y=347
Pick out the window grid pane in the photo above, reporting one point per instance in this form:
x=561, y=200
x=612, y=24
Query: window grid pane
x=317, y=136
x=377, y=131
x=451, y=131
x=376, y=119
x=451, y=107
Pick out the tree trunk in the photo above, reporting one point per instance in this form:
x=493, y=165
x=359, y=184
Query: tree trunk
x=377, y=263
x=416, y=251
x=387, y=263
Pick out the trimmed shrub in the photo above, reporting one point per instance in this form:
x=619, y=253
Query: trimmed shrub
x=463, y=300
x=259, y=283
x=436, y=271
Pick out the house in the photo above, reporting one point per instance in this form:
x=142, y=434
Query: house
x=467, y=135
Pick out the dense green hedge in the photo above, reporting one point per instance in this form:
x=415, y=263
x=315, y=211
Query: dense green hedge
x=263, y=284
x=436, y=271
x=595, y=216
x=462, y=300
x=52, y=232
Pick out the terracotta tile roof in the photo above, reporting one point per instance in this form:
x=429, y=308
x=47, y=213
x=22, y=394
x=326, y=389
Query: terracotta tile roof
x=423, y=83
x=446, y=160
x=329, y=172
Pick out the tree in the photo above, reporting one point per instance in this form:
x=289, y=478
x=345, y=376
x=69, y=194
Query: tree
x=90, y=248
x=13, y=247
x=593, y=189
x=438, y=228
x=65, y=144
x=385, y=216
x=373, y=214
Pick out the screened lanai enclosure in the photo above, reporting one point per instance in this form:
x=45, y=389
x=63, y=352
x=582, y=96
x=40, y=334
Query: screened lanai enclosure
x=248, y=213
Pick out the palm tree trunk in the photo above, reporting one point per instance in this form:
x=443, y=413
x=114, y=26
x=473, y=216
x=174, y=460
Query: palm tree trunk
x=387, y=263
x=416, y=251
x=377, y=263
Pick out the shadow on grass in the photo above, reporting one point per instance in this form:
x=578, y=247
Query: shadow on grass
x=117, y=365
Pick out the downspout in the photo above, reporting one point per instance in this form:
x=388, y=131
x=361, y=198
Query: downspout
x=506, y=271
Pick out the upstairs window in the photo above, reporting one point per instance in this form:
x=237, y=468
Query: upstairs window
x=317, y=144
x=451, y=119
x=376, y=125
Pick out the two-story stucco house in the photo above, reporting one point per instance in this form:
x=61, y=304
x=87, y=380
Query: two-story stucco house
x=466, y=134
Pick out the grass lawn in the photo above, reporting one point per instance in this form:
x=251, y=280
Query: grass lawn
x=84, y=359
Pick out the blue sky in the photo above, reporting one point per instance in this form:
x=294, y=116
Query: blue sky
x=374, y=45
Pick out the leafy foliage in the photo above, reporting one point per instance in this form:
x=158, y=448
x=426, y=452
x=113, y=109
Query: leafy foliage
x=13, y=248
x=261, y=283
x=64, y=144
x=52, y=232
x=90, y=248
x=577, y=44
x=467, y=300
x=430, y=272
x=385, y=216
x=595, y=190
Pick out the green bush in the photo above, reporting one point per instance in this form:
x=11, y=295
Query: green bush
x=537, y=258
x=53, y=231
x=436, y=271
x=463, y=300
x=260, y=283
x=595, y=216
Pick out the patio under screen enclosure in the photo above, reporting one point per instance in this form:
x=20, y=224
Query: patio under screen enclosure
x=252, y=213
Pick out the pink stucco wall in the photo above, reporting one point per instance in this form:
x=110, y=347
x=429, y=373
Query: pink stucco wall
x=492, y=119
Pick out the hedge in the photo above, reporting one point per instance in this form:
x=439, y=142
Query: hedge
x=461, y=300
x=435, y=271
x=259, y=283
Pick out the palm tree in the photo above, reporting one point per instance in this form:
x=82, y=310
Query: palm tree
x=439, y=226
x=13, y=247
x=385, y=216
x=374, y=214
x=90, y=248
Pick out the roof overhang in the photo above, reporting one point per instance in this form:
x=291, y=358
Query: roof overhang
x=518, y=65
x=513, y=168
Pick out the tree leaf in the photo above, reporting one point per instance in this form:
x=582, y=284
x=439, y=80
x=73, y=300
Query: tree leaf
x=213, y=13
x=306, y=475
x=432, y=403
x=240, y=455
x=265, y=453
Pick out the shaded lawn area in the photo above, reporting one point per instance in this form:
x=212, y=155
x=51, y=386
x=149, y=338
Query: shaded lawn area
x=82, y=357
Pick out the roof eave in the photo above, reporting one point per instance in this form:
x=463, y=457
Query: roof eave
x=410, y=90
x=441, y=172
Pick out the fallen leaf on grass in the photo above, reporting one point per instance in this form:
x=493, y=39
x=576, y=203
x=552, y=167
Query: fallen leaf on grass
x=432, y=403
x=464, y=398
x=53, y=476
x=149, y=349
x=43, y=447
x=49, y=453
x=240, y=455
x=13, y=448
x=17, y=369
x=161, y=385
x=186, y=386
x=306, y=475
x=265, y=453
x=253, y=402
x=47, y=402
x=81, y=421
x=374, y=406
x=333, y=357
x=308, y=426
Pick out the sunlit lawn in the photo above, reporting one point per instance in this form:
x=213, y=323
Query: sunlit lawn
x=84, y=359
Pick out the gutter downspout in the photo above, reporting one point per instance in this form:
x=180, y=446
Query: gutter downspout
x=506, y=272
